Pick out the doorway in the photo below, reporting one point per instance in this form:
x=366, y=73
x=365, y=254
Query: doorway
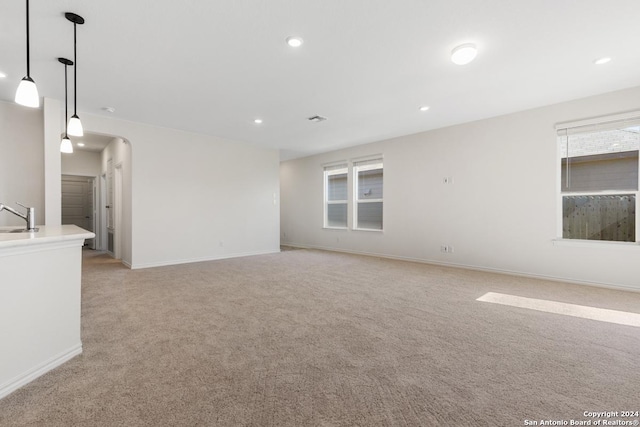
x=79, y=203
x=117, y=208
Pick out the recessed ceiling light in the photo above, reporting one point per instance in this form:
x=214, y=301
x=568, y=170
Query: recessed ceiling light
x=257, y=121
x=601, y=61
x=424, y=108
x=2, y=75
x=294, y=41
x=464, y=53
x=80, y=144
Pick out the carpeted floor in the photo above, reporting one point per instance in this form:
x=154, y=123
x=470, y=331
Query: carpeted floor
x=312, y=338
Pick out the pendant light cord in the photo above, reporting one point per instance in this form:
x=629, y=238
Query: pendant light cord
x=568, y=177
x=28, y=62
x=66, y=124
x=75, y=73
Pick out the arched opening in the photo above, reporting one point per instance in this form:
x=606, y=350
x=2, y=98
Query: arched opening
x=96, y=193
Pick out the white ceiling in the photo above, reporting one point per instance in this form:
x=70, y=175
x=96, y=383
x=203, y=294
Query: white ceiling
x=367, y=65
x=92, y=141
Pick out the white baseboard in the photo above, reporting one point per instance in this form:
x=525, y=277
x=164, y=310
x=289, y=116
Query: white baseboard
x=201, y=259
x=39, y=370
x=472, y=267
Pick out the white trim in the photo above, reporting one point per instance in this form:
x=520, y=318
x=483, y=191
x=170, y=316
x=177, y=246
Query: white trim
x=39, y=370
x=326, y=227
x=339, y=170
x=355, y=160
x=118, y=182
x=601, y=193
x=356, y=196
x=332, y=165
x=41, y=246
x=199, y=259
x=472, y=267
x=560, y=194
x=369, y=167
x=608, y=244
x=631, y=115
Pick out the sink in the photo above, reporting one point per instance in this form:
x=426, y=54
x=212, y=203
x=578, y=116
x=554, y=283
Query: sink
x=18, y=230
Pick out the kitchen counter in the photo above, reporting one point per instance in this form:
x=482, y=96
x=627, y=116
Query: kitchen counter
x=40, y=288
x=44, y=235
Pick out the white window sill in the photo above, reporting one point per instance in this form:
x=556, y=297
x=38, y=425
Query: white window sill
x=335, y=228
x=577, y=243
x=368, y=229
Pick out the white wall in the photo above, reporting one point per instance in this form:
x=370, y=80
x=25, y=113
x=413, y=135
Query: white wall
x=54, y=121
x=193, y=197
x=21, y=161
x=119, y=152
x=82, y=163
x=186, y=196
x=501, y=213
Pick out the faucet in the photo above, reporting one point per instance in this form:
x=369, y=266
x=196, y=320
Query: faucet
x=30, y=216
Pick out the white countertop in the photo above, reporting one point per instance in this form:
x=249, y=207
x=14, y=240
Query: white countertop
x=45, y=234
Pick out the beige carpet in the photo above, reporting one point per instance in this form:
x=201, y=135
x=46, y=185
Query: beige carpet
x=312, y=338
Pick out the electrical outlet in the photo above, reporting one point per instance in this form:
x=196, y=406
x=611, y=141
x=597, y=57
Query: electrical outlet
x=444, y=248
x=450, y=249
x=447, y=180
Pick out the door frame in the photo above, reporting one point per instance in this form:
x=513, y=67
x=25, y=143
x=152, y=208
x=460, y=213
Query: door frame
x=117, y=215
x=93, y=184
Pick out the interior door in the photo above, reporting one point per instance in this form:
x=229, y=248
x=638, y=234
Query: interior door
x=77, y=203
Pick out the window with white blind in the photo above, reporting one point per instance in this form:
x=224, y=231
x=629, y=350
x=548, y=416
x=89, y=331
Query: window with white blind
x=336, y=196
x=368, y=206
x=599, y=179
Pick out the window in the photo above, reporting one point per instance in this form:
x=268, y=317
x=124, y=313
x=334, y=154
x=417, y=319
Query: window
x=335, y=196
x=368, y=179
x=599, y=180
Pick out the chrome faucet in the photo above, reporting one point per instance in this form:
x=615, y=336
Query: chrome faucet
x=30, y=216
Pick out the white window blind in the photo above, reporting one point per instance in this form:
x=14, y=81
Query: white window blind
x=368, y=189
x=599, y=165
x=336, y=197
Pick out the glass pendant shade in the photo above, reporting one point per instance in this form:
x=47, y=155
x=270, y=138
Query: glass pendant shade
x=75, y=126
x=65, y=145
x=27, y=93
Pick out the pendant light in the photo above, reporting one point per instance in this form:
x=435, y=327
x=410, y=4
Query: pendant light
x=75, y=126
x=27, y=93
x=65, y=145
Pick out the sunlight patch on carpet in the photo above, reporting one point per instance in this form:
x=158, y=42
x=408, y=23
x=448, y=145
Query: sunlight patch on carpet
x=583, y=311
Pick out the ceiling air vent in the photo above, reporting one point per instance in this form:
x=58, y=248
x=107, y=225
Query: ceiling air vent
x=317, y=119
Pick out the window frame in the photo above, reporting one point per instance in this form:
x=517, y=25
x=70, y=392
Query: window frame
x=562, y=130
x=330, y=170
x=356, y=168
